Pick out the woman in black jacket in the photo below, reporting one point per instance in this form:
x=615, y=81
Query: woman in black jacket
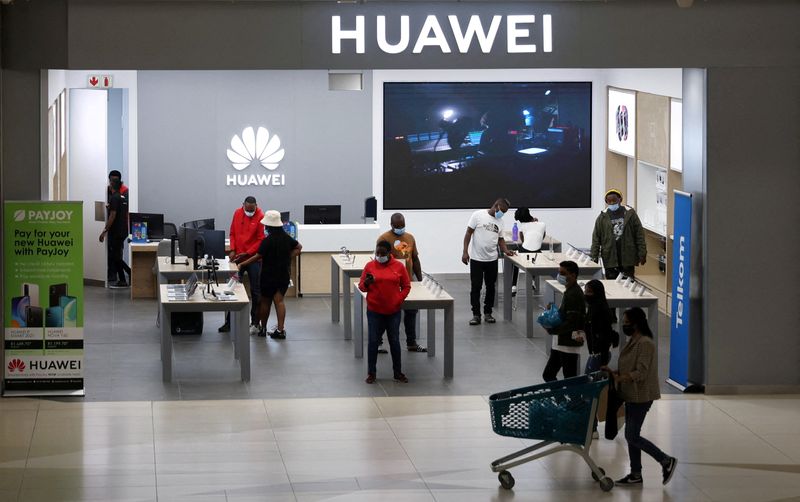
x=599, y=334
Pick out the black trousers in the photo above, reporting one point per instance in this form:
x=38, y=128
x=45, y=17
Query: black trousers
x=563, y=361
x=118, y=266
x=515, y=272
x=482, y=272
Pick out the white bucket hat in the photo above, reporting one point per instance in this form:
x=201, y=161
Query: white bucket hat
x=272, y=218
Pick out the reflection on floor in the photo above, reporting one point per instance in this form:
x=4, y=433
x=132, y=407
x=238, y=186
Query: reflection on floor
x=435, y=448
x=123, y=358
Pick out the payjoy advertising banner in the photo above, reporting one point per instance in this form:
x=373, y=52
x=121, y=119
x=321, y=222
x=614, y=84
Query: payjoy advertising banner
x=43, y=303
x=679, y=321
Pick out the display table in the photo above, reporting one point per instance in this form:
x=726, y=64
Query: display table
x=240, y=320
x=343, y=270
x=419, y=298
x=166, y=271
x=320, y=241
x=619, y=297
x=143, y=257
x=546, y=264
x=547, y=244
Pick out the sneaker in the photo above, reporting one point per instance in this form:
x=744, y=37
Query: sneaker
x=225, y=328
x=262, y=332
x=668, y=469
x=417, y=348
x=370, y=378
x=253, y=329
x=630, y=479
x=489, y=319
x=595, y=435
x=475, y=320
x=278, y=334
x=119, y=285
x=399, y=377
x=513, y=291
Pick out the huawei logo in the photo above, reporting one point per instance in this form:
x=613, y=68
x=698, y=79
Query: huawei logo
x=255, y=146
x=16, y=365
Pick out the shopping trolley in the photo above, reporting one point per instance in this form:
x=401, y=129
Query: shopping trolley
x=560, y=413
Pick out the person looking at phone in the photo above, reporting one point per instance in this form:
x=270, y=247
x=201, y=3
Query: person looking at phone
x=387, y=284
x=568, y=337
x=246, y=234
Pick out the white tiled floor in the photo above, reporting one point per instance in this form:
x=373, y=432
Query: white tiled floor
x=384, y=449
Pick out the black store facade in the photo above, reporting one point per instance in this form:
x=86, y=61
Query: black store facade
x=741, y=120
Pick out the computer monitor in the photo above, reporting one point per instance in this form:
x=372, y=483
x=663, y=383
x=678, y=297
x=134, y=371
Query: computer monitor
x=285, y=216
x=213, y=243
x=153, y=221
x=325, y=215
x=187, y=238
x=205, y=224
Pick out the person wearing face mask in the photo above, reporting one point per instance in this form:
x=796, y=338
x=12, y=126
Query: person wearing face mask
x=404, y=247
x=387, y=284
x=618, y=238
x=245, y=235
x=567, y=336
x=600, y=337
x=636, y=382
x=483, y=235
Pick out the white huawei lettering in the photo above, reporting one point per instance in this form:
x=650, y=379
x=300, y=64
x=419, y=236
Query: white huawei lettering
x=432, y=35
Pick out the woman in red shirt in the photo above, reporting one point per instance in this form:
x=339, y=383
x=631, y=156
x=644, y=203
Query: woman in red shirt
x=387, y=285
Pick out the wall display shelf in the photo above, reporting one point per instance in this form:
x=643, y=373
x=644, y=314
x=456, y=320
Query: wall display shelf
x=651, y=197
x=622, y=122
x=676, y=135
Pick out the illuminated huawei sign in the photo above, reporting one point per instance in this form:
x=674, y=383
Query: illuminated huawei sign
x=520, y=30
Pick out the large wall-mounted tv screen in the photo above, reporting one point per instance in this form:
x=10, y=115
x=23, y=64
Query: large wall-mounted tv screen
x=460, y=145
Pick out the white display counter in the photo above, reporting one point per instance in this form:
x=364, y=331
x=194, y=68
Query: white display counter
x=320, y=241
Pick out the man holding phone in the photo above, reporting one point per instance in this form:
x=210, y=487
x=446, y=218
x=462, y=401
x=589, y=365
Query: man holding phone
x=246, y=235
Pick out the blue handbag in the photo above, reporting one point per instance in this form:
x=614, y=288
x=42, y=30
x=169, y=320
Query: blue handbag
x=550, y=318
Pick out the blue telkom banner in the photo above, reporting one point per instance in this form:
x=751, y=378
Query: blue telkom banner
x=681, y=258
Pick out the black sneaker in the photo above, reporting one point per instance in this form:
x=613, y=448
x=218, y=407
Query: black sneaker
x=630, y=479
x=278, y=334
x=262, y=332
x=119, y=285
x=225, y=328
x=668, y=469
x=489, y=319
x=475, y=320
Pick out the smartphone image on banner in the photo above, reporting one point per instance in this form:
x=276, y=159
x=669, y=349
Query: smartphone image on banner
x=18, y=306
x=54, y=317
x=34, y=317
x=31, y=291
x=56, y=292
x=69, y=309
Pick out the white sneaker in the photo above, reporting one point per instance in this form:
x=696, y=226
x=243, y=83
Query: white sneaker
x=513, y=291
x=253, y=329
x=595, y=435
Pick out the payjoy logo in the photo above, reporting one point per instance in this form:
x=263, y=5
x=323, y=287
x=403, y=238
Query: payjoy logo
x=255, y=147
x=19, y=215
x=34, y=215
x=16, y=365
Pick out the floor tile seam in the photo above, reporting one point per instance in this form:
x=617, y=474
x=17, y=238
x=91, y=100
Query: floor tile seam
x=153, y=428
x=28, y=454
x=410, y=460
x=754, y=433
x=278, y=447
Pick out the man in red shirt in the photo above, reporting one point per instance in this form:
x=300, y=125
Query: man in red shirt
x=245, y=235
x=386, y=282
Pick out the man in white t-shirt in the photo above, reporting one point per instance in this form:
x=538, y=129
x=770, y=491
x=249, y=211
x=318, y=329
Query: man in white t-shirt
x=484, y=234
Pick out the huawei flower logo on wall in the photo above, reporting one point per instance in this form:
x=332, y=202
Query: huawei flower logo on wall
x=255, y=146
x=16, y=365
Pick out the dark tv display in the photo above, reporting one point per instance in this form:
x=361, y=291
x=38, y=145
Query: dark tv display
x=461, y=145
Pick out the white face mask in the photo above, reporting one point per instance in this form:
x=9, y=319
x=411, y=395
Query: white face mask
x=250, y=214
x=562, y=279
x=381, y=259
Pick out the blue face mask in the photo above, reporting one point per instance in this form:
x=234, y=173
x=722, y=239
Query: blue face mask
x=562, y=279
x=613, y=207
x=498, y=214
x=399, y=231
x=382, y=259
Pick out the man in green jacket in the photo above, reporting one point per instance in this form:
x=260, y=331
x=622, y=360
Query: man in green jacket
x=567, y=336
x=618, y=238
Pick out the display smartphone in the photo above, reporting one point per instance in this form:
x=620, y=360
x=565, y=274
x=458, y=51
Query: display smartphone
x=56, y=292
x=69, y=308
x=32, y=292
x=34, y=317
x=54, y=317
x=18, y=306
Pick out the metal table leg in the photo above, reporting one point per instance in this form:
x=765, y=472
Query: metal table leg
x=449, y=325
x=240, y=328
x=358, y=339
x=334, y=291
x=528, y=305
x=431, y=314
x=166, y=345
x=348, y=315
x=508, y=271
